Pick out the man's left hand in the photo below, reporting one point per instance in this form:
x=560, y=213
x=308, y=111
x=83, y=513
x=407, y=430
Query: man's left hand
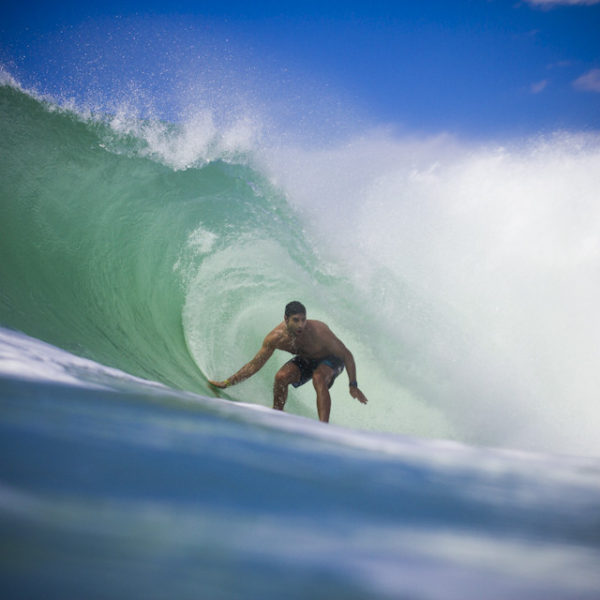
x=356, y=393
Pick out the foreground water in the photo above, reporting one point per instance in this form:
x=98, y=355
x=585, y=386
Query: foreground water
x=113, y=487
x=141, y=258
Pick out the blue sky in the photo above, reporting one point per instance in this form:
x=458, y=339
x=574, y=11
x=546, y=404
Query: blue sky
x=471, y=67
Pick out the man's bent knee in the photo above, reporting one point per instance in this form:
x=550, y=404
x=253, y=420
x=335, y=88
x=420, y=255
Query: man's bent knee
x=321, y=379
x=286, y=375
x=283, y=379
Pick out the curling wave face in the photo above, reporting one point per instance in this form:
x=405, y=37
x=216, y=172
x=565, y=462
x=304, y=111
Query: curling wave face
x=464, y=280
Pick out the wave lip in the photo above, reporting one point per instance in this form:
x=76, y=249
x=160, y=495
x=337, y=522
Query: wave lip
x=25, y=358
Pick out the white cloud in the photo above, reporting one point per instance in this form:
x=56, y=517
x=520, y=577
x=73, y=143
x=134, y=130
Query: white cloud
x=588, y=82
x=561, y=64
x=568, y=2
x=538, y=87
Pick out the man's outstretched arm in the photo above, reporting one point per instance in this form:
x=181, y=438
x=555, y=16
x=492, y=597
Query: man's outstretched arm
x=339, y=349
x=249, y=368
x=351, y=370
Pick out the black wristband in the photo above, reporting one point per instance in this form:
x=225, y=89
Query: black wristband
x=353, y=384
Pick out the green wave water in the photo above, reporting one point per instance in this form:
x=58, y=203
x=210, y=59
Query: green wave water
x=171, y=274
x=98, y=244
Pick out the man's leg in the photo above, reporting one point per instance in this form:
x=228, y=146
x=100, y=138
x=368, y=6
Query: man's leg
x=321, y=380
x=289, y=373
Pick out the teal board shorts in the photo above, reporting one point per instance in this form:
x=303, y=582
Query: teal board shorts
x=307, y=367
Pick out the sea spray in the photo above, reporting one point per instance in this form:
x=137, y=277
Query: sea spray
x=478, y=270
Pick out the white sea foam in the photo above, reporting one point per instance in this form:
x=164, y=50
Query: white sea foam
x=198, y=140
x=478, y=267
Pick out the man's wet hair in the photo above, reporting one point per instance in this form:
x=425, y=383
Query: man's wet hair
x=294, y=308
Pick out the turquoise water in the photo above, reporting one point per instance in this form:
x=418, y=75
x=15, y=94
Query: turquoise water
x=167, y=270
x=140, y=258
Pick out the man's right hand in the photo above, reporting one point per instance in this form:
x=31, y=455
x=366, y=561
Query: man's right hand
x=219, y=384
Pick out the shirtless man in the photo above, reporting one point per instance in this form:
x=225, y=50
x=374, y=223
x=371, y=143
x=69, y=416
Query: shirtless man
x=319, y=355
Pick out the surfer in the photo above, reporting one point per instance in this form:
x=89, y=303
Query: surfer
x=318, y=355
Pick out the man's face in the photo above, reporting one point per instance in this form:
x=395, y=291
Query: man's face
x=295, y=323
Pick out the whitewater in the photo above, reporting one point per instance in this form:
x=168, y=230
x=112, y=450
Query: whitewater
x=140, y=258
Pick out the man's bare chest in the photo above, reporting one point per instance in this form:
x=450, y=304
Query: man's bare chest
x=308, y=346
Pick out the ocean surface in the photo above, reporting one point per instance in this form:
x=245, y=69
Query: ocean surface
x=140, y=258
